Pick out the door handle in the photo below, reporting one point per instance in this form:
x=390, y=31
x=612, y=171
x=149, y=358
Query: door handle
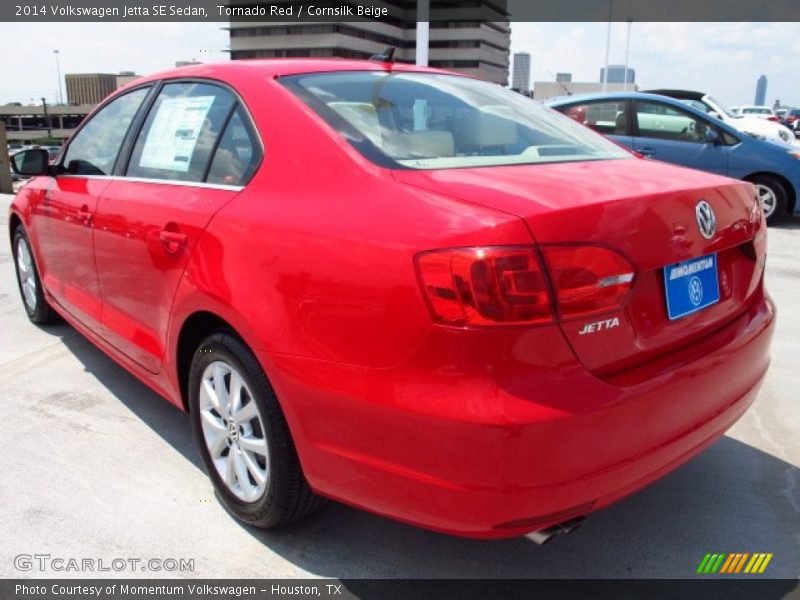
x=172, y=240
x=647, y=152
x=85, y=215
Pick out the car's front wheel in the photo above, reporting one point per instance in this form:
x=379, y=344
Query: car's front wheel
x=30, y=286
x=243, y=436
x=773, y=197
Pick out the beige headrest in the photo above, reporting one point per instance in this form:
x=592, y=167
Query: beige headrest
x=361, y=115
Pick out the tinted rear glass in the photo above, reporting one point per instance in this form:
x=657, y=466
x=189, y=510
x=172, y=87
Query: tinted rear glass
x=432, y=121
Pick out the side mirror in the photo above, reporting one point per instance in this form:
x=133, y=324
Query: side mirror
x=31, y=163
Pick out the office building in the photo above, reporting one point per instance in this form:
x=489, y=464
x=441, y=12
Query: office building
x=477, y=48
x=92, y=88
x=125, y=77
x=761, y=91
x=89, y=88
x=563, y=77
x=521, y=74
x=616, y=74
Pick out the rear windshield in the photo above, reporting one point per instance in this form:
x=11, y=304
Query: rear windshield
x=432, y=121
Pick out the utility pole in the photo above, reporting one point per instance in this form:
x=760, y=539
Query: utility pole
x=47, y=119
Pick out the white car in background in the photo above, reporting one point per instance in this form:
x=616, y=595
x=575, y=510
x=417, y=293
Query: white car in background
x=757, y=112
x=762, y=129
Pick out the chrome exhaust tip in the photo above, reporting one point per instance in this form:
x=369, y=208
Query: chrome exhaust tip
x=543, y=536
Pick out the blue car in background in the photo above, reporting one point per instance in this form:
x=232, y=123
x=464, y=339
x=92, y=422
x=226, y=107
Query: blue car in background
x=666, y=129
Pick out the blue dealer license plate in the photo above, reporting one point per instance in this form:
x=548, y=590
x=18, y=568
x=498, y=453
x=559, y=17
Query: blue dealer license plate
x=691, y=285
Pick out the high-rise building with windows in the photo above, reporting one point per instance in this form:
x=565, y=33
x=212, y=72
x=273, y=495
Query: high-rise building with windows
x=521, y=72
x=761, y=91
x=477, y=48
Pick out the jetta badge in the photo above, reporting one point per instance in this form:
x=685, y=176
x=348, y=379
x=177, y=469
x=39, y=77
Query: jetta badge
x=706, y=220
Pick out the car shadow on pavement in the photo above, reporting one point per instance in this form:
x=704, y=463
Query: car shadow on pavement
x=731, y=498
x=789, y=222
x=166, y=420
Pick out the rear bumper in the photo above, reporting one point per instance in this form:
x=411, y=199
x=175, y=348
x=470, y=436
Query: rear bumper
x=498, y=433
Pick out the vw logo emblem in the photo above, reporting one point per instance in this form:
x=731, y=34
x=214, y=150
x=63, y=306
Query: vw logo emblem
x=695, y=290
x=233, y=431
x=706, y=220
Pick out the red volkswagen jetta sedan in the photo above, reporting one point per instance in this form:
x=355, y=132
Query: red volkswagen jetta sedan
x=400, y=288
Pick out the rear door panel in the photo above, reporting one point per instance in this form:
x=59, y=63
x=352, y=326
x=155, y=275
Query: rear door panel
x=138, y=270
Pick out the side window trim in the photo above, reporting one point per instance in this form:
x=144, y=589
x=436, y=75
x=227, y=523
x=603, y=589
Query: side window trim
x=121, y=164
x=631, y=122
x=62, y=169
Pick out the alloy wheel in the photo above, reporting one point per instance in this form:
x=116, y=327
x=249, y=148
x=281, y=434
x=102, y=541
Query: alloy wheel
x=27, y=274
x=767, y=198
x=234, y=432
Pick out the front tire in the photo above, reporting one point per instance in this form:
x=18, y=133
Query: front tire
x=773, y=197
x=243, y=436
x=36, y=306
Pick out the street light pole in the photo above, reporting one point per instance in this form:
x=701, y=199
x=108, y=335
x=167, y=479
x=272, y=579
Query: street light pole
x=608, y=44
x=627, y=55
x=58, y=71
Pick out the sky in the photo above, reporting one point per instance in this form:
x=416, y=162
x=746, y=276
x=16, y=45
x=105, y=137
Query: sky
x=723, y=59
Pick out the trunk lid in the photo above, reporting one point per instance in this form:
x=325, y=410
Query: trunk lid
x=642, y=209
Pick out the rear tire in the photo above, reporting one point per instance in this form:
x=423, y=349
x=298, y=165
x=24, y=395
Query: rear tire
x=773, y=197
x=31, y=291
x=243, y=436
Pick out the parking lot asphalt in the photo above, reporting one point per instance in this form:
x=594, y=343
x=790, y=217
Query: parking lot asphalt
x=95, y=465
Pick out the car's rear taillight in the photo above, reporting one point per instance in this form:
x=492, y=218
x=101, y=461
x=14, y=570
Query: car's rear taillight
x=485, y=286
x=508, y=285
x=588, y=280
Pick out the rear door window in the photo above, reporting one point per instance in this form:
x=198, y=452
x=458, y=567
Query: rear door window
x=181, y=131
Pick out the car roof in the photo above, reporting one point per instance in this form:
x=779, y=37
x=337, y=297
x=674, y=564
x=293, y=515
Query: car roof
x=278, y=67
x=593, y=97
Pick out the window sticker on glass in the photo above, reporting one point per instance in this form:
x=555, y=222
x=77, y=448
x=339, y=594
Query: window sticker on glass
x=174, y=133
